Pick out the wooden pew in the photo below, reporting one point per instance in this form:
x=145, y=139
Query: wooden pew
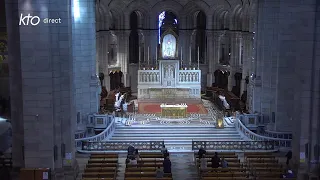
x=147, y=178
x=103, y=160
x=144, y=174
x=225, y=178
x=101, y=166
x=108, y=155
x=92, y=165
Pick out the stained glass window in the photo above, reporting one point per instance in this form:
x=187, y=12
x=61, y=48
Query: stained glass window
x=161, y=18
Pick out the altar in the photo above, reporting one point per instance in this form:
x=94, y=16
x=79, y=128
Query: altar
x=174, y=111
x=167, y=80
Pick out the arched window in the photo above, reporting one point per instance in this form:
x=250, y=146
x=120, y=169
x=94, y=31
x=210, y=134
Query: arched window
x=134, y=39
x=167, y=20
x=201, y=41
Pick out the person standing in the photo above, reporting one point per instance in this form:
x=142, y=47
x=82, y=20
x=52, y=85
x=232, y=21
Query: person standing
x=215, y=161
x=289, y=157
x=167, y=165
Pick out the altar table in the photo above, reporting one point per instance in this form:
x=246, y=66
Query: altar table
x=174, y=111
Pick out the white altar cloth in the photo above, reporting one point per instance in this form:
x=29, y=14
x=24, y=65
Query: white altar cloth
x=175, y=105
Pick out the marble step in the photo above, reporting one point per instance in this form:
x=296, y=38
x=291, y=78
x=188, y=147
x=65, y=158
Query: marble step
x=164, y=135
x=178, y=131
x=236, y=138
x=174, y=128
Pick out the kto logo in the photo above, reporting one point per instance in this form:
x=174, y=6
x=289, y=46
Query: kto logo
x=25, y=20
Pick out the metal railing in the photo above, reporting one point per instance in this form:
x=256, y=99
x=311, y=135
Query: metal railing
x=278, y=142
x=233, y=145
x=104, y=135
x=121, y=145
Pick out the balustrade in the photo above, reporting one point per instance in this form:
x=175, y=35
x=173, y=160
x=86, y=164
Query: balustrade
x=149, y=76
x=277, y=142
x=104, y=135
x=122, y=145
x=233, y=145
x=189, y=76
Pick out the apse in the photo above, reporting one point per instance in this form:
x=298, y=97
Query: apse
x=167, y=19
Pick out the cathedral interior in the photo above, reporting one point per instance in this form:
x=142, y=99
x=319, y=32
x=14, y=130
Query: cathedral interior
x=82, y=80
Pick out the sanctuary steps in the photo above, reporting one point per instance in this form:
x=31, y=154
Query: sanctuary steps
x=175, y=137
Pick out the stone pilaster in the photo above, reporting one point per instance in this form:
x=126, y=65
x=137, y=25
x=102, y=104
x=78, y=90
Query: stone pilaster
x=235, y=58
x=210, y=60
x=84, y=53
x=124, y=56
x=146, y=34
x=247, y=47
x=217, y=40
x=44, y=83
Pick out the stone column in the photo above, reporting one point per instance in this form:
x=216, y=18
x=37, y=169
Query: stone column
x=247, y=40
x=217, y=38
x=210, y=60
x=105, y=59
x=103, y=43
x=144, y=59
x=141, y=46
x=46, y=63
x=123, y=53
x=234, y=58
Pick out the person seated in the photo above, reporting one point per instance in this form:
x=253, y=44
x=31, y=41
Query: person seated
x=201, y=152
x=224, y=163
x=215, y=161
x=136, y=154
x=131, y=150
x=133, y=161
x=289, y=175
x=159, y=172
x=167, y=165
x=164, y=150
x=203, y=162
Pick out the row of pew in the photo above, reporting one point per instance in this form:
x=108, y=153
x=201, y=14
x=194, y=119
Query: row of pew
x=256, y=165
x=264, y=166
x=101, y=166
x=146, y=168
x=235, y=170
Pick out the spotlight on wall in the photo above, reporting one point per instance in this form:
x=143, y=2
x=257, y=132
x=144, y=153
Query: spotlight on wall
x=76, y=9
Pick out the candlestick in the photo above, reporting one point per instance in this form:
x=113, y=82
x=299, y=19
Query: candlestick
x=156, y=53
x=190, y=56
x=139, y=58
x=148, y=55
x=198, y=57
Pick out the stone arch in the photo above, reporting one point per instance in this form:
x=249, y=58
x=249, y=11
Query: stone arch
x=117, y=11
x=101, y=17
x=234, y=18
x=169, y=5
x=191, y=9
x=142, y=12
x=221, y=18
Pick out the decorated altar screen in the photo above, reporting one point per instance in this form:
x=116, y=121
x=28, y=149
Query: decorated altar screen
x=169, y=46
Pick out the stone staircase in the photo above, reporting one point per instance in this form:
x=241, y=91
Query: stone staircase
x=175, y=137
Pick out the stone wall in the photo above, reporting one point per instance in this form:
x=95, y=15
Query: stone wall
x=287, y=73
x=84, y=57
x=52, y=77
